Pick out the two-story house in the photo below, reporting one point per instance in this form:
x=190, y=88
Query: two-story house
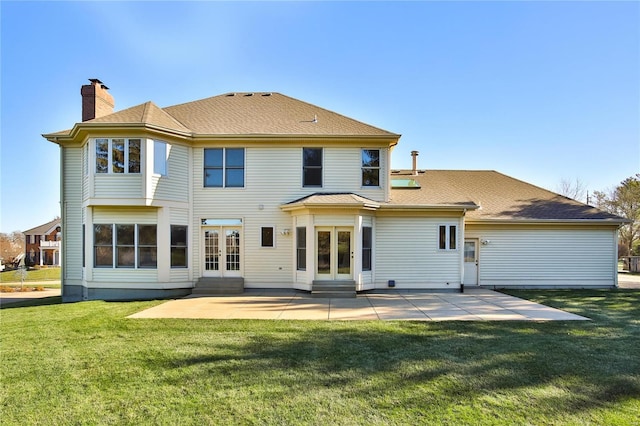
x=43, y=245
x=266, y=191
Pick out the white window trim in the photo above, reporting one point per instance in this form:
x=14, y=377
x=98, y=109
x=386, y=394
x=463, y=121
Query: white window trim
x=447, y=240
x=114, y=247
x=165, y=167
x=302, y=185
x=94, y=156
x=274, y=237
x=224, y=168
x=363, y=168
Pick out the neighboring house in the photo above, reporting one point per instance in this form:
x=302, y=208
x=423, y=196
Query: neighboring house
x=43, y=245
x=271, y=192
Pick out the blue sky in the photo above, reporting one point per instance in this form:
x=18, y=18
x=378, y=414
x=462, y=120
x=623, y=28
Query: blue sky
x=540, y=91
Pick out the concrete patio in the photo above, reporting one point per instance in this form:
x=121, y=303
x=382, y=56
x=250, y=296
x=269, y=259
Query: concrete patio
x=473, y=305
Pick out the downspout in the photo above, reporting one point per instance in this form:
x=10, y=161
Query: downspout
x=63, y=221
x=462, y=236
x=615, y=256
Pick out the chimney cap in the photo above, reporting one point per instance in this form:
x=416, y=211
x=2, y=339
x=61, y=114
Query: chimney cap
x=97, y=81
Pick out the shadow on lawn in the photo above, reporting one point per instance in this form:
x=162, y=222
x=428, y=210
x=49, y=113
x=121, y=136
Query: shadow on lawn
x=552, y=367
x=43, y=301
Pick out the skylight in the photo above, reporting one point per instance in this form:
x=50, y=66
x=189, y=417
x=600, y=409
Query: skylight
x=404, y=184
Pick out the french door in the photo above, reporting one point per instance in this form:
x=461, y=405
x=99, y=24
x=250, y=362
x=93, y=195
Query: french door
x=334, y=250
x=221, y=254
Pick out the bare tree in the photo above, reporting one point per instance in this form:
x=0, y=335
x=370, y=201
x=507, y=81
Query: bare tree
x=575, y=189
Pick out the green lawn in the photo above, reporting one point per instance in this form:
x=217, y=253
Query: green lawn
x=85, y=363
x=44, y=274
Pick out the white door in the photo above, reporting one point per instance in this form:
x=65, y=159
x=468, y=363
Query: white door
x=221, y=251
x=334, y=249
x=471, y=262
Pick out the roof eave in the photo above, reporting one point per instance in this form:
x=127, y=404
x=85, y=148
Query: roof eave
x=86, y=128
x=302, y=206
x=451, y=207
x=512, y=221
x=389, y=138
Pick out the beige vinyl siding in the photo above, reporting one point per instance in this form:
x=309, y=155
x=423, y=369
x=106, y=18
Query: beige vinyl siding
x=144, y=215
x=173, y=186
x=85, y=171
x=72, y=213
x=343, y=172
x=118, y=185
x=406, y=250
x=121, y=277
x=179, y=216
x=273, y=176
x=542, y=256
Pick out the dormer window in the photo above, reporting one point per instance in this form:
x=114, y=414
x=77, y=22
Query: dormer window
x=118, y=155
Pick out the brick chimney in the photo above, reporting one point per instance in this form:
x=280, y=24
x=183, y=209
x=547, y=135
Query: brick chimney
x=414, y=170
x=96, y=100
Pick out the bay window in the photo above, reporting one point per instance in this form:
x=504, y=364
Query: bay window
x=118, y=155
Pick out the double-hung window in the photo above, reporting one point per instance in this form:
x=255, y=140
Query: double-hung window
x=370, y=167
x=224, y=167
x=118, y=155
x=179, y=246
x=312, y=167
x=447, y=237
x=125, y=246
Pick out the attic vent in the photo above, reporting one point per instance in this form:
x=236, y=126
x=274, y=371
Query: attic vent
x=231, y=94
x=404, y=184
x=266, y=94
x=249, y=94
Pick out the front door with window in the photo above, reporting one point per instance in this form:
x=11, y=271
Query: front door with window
x=471, y=262
x=221, y=251
x=334, y=249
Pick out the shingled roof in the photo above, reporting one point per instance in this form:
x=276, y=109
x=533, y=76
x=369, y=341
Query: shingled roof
x=234, y=114
x=498, y=196
x=45, y=228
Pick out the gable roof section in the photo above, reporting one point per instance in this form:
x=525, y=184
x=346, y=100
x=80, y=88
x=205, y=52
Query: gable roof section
x=147, y=113
x=44, y=229
x=499, y=197
x=237, y=114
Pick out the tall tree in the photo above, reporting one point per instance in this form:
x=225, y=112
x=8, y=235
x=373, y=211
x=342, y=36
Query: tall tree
x=575, y=189
x=624, y=200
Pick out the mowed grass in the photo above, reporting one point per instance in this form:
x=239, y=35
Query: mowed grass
x=86, y=363
x=44, y=274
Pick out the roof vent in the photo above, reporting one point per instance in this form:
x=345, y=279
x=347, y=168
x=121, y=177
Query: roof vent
x=231, y=94
x=249, y=94
x=266, y=94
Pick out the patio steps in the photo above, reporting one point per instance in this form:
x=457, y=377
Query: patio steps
x=333, y=289
x=219, y=286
